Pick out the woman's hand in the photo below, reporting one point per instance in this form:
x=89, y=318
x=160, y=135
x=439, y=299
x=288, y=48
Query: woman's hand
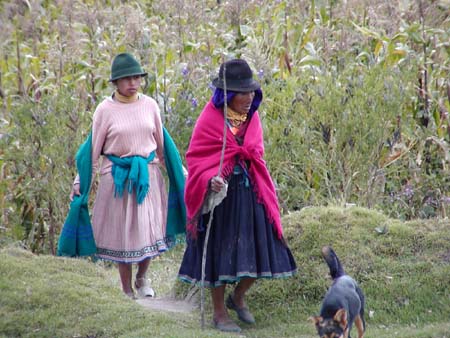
x=75, y=191
x=217, y=183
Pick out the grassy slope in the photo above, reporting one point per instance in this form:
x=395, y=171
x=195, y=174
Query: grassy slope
x=404, y=273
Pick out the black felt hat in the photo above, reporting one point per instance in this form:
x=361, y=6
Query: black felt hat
x=239, y=77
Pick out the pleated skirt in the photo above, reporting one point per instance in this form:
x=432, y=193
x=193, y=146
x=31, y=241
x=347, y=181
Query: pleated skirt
x=126, y=231
x=242, y=242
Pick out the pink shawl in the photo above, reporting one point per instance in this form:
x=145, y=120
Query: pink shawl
x=203, y=158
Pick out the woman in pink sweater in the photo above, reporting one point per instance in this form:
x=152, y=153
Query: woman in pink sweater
x=130, y=208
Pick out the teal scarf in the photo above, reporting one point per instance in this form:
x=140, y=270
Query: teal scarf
x=76, y=237
x=176, y=213
x=134, y=170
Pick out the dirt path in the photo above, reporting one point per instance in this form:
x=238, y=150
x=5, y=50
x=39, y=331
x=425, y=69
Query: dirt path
x=167, y=304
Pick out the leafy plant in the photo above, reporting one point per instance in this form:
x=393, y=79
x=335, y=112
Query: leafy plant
x=355, y=106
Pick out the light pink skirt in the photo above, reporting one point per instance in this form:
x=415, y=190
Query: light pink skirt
x=125, y=231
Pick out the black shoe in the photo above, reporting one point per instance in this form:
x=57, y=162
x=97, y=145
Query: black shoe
x=243, y=313
x=227, y=326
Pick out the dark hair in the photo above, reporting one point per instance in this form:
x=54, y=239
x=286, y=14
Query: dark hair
x=218, y=99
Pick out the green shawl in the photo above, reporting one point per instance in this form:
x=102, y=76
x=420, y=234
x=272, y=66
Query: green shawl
x=77, y=239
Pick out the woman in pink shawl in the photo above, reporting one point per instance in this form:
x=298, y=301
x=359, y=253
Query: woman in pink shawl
x=246, y=238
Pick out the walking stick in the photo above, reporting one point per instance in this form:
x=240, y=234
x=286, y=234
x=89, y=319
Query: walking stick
x=208, y=227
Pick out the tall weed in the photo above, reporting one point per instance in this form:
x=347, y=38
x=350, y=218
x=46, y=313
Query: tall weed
x=355, y=109
x=39, y=165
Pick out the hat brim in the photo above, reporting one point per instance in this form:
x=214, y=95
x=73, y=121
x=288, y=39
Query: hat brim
x=246, y=86
x=127, y=75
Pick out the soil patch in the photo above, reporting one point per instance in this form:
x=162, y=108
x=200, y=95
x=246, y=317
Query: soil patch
x=166, y=304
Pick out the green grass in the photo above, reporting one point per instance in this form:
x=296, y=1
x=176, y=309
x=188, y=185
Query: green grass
x=403, y=271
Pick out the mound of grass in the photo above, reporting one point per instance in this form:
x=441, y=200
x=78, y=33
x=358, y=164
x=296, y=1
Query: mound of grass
x=45, y=296
x=404, y=269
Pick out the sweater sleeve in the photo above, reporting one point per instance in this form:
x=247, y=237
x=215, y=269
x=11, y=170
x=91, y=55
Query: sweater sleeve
x=158, y=134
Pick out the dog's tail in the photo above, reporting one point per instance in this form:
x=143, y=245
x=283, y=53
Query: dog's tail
x=336, y=268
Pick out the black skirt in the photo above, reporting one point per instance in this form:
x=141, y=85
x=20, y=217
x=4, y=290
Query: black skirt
x=242, y=243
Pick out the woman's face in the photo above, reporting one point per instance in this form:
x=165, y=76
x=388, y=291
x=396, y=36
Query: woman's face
x=128, y=86
x=242, y=102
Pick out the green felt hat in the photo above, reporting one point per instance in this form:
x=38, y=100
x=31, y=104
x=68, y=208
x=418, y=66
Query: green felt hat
x=124, y=65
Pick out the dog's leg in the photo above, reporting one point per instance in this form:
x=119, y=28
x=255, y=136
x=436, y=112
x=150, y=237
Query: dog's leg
x=359, y=326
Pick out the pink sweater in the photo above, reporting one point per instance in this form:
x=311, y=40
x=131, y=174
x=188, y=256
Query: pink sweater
x=126, y=129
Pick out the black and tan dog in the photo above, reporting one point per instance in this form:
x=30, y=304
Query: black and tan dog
x=343, y=303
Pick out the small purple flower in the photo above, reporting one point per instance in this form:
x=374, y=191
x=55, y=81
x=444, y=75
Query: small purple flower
x=260, y=73
x=429, y=201
x=408, y=192
x=185, y=71
x=188, y=121
x=194, y=103
x=446, y=199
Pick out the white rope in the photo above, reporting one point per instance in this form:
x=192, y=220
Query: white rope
x=213, y=200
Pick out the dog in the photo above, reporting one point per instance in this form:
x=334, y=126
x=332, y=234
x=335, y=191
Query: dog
x=343, y=304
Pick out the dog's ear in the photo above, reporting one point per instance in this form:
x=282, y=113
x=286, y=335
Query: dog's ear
x=316, y=320
x=341, y=318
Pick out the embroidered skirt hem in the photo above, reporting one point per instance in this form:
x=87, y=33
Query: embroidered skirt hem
x=136, y=256
x=223, y=280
